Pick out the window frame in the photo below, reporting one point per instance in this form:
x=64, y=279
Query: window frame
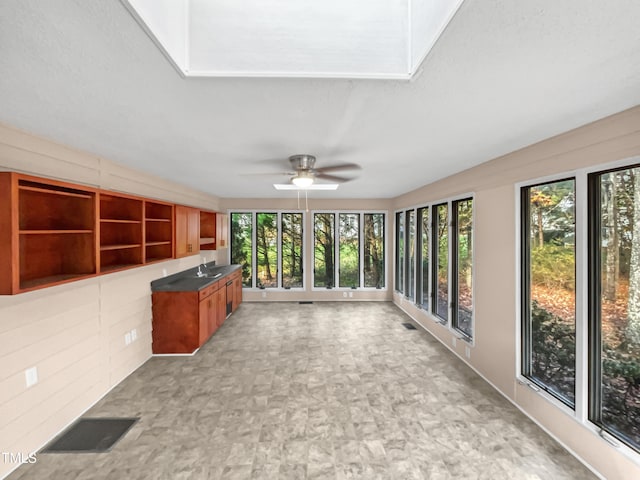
x=435, y=265
x=254, y=252
x=524, y=242
x=584, y=337
x=336, y=238
x=455, y=287
x=419, y=281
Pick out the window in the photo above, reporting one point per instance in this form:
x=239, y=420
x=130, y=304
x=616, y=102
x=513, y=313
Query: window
x=349, y=250
x=400, y=253
x=374, y=269
x=423, y=258
x=269, y=246
x=292, y=259
x=323, y=249
x=241, y=244
x=549, y=287
x=267, y=250
x=356, y=242
x=438, y=260
x=462, y=264
x=411, y=254
x=440, y=273
x=614, y=310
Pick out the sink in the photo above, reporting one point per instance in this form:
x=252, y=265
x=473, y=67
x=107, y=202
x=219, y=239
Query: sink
x=208, y=275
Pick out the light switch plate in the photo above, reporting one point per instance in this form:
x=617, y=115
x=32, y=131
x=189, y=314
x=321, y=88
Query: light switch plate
x=127, y=338
x=31, y=376
x=134, y=335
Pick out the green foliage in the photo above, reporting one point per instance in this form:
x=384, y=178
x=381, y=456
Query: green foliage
x=553, y=266
x=553, y=350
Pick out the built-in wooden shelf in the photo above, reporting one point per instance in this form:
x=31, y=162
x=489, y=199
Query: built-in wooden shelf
x=114, y=220
x=151, y=244
x=47, y=191
x=119, y=247
x=51, y=280
x=49, y=232
x=56, y=232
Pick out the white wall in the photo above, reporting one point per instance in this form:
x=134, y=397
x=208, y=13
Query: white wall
x=494, y=353
x=74, y=333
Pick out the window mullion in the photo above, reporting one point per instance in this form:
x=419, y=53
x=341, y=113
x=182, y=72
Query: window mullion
x=279, y=249
x=582, y=295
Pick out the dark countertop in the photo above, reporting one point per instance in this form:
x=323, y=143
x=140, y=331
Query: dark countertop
x=188, y=281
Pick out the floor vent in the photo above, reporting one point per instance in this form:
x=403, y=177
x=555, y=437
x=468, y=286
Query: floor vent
x=305, y=302
x=91, y=435
x=409, y=326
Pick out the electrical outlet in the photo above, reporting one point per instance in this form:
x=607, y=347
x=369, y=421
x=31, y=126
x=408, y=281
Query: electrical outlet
x=454, y=341
x=350, y=294
x=344, y=294
x=467, y=352
x=134, y=335
x=164, y=272
x=127, y=338
x=31, y=376
x=264, y=294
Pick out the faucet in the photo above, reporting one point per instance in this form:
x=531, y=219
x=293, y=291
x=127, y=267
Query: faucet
x=200, y=273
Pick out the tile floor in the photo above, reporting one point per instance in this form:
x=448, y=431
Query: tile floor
x=323, y=391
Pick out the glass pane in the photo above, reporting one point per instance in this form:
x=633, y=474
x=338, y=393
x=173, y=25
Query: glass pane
x=292, y=259
x=267, y=250
x=400, y=251
x=374, y=250
x=441, y=260
x=423, y=221
x=620, y=303
x=552, y=299
x=411, y=254
x=241, y=244
x=349, y=250
x=323, y=249
x=464, y=246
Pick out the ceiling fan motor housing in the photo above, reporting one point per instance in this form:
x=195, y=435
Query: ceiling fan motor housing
x=302, y=162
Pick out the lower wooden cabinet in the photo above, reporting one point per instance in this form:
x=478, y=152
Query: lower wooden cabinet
x=184, y=321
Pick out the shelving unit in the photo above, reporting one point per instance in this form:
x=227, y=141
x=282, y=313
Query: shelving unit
x=54, y=232
x=207, y=230
x=47, y=230
x=159, y=233
x=121, y=232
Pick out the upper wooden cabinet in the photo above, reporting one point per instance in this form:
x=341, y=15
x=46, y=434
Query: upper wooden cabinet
x=213, y=230
x=121, y=232
x=159, y=232
x=207, y=230
x=187, y=221
x=48, y=232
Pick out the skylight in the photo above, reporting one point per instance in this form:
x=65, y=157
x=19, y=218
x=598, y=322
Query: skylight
x=301, y=38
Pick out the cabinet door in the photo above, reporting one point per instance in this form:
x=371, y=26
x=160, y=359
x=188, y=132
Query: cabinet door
x=204, y=331
x=193, y=231
x=237, y=291
x=221, y=305
x=187, y=231
x=222, y=230
x=208, y=318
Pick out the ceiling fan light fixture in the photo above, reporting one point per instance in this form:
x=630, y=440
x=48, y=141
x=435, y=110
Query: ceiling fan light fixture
x=302, y=181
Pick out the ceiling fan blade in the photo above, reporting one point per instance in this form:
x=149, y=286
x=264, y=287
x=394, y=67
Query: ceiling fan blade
x=332, y=178
x=338, y=168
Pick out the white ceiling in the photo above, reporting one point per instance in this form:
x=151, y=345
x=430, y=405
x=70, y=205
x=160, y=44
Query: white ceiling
x=505, y=74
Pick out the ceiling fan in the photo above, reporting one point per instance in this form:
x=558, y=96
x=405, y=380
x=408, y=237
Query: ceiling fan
x=305, y=174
